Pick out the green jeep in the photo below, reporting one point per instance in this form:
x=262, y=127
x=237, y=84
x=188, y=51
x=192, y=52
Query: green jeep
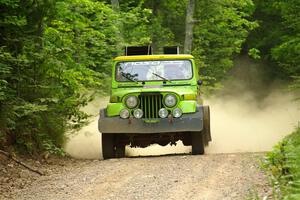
x=154, y=99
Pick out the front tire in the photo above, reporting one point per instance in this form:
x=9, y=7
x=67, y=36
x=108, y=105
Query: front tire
x=206, y=125
x=120, y=151
x=197, y=143
x=108, y=150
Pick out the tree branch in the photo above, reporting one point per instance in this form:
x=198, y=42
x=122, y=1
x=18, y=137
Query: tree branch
x=21, y=163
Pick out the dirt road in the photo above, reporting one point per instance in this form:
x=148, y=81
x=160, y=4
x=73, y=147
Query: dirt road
x=216, y=176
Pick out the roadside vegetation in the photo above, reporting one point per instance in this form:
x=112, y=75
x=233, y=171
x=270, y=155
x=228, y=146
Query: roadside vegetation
x=53, y=53
x=283, y=165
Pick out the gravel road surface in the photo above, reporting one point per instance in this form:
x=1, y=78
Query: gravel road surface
x=208, y=177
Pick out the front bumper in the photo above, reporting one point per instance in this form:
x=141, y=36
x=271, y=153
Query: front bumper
x=192, y=122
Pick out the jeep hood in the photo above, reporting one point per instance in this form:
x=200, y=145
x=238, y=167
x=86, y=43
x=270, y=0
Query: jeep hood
x=178, y=89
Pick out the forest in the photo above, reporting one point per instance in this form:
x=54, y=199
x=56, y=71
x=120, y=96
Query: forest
x=55, y=55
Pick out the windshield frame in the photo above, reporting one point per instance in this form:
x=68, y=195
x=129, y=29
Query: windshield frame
x=171, y=80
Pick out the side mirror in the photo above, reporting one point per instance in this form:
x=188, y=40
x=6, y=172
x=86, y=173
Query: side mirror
x=199, y=82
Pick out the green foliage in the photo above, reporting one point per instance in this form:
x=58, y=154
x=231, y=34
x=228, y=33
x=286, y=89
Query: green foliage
x=52, y=54
x=167, y=20
x=81, y=34
x=287, y=55
x=44, y=80
x=135, y=20
x=5, y=71
x=222, y=28
x=253, y=195
x=284, y=165
x=278, y=37
x=174, y=13
x=254, y=53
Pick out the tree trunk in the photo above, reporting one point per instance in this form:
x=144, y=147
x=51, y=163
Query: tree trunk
x=155, y=15
x=119, y=36
x=115, y=5
x=189, y=23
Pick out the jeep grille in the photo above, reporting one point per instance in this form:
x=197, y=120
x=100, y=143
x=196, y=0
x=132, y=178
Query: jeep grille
x=150, y=103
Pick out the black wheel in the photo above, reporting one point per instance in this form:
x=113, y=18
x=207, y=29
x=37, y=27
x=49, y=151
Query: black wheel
x=120, y=151
x=197, y=143
x=206, y=125
x=108, y=150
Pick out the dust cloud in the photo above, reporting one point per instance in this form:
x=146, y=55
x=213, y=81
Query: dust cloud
x=249, y=114
x=243, y=125
x=253, y=111
x=85, y=144
x=238, y=124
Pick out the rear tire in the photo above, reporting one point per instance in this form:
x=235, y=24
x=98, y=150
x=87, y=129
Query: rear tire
x=197, y=143
x=108, y=150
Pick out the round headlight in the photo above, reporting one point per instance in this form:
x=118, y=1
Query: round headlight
x=163, y=113
x=170, y=100
x=138, y=113
x=124, y=113
x=177, y=112
x=131, y=101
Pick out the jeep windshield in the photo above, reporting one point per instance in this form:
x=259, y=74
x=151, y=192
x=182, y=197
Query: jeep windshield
x=164, y=70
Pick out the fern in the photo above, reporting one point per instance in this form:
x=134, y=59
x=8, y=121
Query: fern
x=283, y=163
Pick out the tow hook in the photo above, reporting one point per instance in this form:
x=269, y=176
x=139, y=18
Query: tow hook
x=170, y=117
x=130, y=120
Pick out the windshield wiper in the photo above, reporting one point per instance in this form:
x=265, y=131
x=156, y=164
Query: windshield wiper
x=128, y=78
x=163, y=78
